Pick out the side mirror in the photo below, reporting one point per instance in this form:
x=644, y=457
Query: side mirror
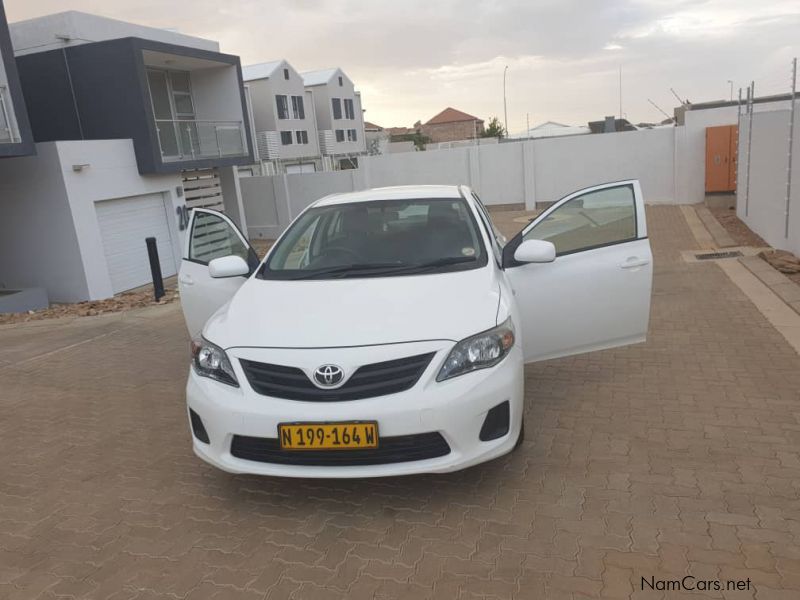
x=228, y=266
x=535, y=251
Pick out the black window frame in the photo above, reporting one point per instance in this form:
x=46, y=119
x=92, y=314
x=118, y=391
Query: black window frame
x=286, y=74
x=298, y=108
x=336, y=106
x=301, y=136
x=349, y=109
x=286, y=135
x=282, y=104
x=338, y=137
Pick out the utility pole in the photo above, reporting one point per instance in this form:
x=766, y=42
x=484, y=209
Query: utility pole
x=731, y=84
x=751, y=94
x=505, y=108
x=791, y=142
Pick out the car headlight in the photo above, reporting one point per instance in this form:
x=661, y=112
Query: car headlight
x=209, y=360
x=479, y=351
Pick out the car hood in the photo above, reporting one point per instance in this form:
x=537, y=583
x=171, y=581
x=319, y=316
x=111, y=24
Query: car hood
x=357, y=312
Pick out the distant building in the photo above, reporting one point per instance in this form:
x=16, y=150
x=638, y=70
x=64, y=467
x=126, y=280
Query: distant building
x=452, y=125
x=611, y=125
x=377, y=138
x=340, y=119
x=550, y=129
x=284, y=120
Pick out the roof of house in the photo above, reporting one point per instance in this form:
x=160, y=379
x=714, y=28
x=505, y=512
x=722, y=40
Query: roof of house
x=368, y=125
x=619, y=125
x=548, y=125
x=451, y=115
x=260, y=71
x=320, y=77
x=399, y=130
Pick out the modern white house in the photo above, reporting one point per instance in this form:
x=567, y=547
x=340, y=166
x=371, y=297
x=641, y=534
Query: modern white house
x=283, y=117
x=15, y=132
x=133, y=125
x=340, y=118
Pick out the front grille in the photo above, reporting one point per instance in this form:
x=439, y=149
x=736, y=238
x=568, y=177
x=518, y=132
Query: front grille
x=377, y=379
x=403, y=448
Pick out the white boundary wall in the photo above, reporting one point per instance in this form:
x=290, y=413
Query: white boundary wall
x=764, y=211
x=668, y=161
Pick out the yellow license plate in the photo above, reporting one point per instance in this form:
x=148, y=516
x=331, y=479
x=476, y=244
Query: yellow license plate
x=328, y=436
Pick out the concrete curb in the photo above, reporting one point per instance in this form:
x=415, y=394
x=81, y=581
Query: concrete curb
x=782, y=286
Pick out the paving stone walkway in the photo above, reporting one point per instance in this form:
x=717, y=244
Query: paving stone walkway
x=677, y=457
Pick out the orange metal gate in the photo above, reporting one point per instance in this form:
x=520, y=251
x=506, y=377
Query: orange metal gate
x=721, y=158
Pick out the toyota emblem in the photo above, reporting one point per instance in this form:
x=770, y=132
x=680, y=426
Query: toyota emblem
x=328, y=375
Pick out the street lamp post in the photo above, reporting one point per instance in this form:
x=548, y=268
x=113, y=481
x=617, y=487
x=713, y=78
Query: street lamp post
x=731, y=82
x=505, y=108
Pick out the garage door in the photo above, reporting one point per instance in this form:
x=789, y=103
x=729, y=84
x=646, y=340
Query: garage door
x=124, y=225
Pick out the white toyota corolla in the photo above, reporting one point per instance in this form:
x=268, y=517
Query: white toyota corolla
x=385, y=332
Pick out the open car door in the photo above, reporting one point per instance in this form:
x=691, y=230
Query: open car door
x=211, y=235
x=596, y=293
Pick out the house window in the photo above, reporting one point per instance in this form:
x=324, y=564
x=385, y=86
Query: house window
x=352, y=136
x=337, y=107
x=340, y=81
x=283, y=107
x=298, y=112
x=340, y=135
x=301, y=136
x=286, y=137
x=349, y=111
x=286, y=74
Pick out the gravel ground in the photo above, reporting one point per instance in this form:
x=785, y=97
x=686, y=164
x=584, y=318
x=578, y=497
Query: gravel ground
x=744, y=236
x=120, y=302
x=740, y=232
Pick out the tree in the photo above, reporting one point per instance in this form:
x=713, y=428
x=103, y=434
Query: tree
x=494, y=129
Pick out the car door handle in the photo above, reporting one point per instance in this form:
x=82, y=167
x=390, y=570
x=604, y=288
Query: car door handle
x=186, y=280
x=634, y=262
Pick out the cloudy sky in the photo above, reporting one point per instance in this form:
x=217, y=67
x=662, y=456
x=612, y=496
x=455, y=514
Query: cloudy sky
x=411, y=59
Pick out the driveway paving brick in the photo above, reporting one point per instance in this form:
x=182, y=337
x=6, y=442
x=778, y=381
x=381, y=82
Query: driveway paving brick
x=677, y=457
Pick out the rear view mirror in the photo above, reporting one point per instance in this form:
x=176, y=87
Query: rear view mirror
x=228, y=266
x=535, y=251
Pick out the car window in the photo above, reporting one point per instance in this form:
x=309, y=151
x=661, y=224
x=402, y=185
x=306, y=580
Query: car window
x=598, y=218
x=212, y=237
x=378, y=238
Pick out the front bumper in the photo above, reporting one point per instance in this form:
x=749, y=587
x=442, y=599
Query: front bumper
x=456, y=409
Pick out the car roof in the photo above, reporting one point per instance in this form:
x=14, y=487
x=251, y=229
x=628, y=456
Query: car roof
x=397, y=192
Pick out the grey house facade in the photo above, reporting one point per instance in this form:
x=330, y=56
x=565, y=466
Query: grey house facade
x=15, y=132
x=183, y=107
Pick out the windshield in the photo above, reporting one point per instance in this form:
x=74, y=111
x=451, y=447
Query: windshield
x=377, y=239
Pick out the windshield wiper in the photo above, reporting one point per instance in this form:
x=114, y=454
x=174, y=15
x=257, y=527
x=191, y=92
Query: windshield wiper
x=343, y=270
x=434, y=264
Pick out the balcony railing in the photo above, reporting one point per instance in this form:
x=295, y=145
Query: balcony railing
x=7, y=134
x=191, y=140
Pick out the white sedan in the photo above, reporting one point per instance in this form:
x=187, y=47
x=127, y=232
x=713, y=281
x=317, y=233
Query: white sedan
x=385, y=332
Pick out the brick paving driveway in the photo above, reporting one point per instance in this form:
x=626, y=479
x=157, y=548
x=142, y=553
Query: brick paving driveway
x=680, y=456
